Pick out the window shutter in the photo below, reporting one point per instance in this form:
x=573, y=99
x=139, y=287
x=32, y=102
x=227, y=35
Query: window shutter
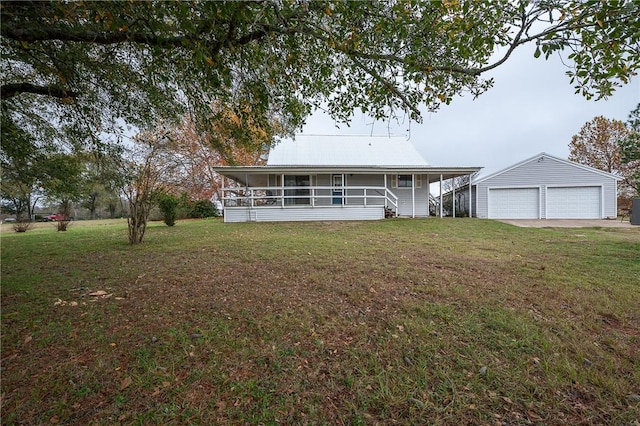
x=394, y=181
x=418, y=181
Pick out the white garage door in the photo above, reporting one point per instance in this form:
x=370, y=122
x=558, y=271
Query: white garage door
x=573, y=202
x=514, y=203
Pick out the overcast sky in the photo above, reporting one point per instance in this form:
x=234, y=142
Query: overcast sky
x=531, y=108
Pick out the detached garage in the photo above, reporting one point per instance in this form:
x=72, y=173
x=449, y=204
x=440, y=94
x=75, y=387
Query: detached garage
x=546, y=187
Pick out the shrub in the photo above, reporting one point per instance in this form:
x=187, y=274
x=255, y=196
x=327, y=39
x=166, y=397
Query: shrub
x=168, y=205
x=21, y=225
x=202, y=208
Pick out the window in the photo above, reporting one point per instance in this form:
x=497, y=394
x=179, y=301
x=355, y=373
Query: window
x=298, y=195
x=404, y=181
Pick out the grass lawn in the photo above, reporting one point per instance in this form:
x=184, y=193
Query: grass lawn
x=451, y=321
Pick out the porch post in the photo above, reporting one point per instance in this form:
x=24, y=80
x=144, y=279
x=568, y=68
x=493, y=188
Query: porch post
x=282, y=190
x=428, y=196
x=413, y=195
x=453, y=196
x=386, y=204
x=344, y=189
x=470, y=197
x=224, y=185
x=441, y=195
x=248, y=191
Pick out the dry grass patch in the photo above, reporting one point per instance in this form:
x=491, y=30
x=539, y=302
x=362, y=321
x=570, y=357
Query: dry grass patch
x=421, y=321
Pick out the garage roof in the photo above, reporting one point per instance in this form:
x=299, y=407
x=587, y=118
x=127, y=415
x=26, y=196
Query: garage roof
x=540, y=157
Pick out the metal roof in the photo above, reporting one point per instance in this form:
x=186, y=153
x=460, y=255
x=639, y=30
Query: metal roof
x=353, y=150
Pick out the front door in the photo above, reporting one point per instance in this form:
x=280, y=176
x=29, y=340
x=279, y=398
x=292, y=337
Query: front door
x=338, y=189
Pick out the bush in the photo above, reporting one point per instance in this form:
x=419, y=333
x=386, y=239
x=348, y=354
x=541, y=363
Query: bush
x=202, y=208
x=169, y=207
x=21, y=225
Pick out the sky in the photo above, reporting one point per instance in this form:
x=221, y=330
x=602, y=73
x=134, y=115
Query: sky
x=531, y=108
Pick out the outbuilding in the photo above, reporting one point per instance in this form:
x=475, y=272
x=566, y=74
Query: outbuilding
x=546, y=187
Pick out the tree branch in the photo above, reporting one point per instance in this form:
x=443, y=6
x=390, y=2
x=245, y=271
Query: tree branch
x=98, y=37
x=10, y=90
x=392, y=88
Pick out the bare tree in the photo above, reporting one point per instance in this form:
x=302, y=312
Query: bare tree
x=143, y=169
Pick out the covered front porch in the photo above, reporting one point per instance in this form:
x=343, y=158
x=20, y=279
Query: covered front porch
x=264, y=193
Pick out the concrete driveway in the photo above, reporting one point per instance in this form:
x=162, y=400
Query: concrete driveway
x=570, y=223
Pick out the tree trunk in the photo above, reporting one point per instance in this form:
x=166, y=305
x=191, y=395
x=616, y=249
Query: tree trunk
x=137, y=220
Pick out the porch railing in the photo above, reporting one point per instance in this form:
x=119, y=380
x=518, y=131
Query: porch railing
x=313, y=196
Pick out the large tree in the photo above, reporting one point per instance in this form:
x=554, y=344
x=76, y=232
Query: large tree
x=90, y=68
x=598, y=145
x=630, y=150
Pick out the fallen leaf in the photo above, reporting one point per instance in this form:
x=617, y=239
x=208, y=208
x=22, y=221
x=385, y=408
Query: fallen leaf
x=166, y=384
x=507, y=400
x=98, y=293
x=28, y=339
x=125, y=383
x=533, y=415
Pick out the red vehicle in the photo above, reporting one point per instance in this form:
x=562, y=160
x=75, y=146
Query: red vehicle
x=53, y=217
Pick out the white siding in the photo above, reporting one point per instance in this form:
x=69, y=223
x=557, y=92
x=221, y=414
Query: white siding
x=545, y=172
x=293, y=214
x=405, y=198
x=323, y=180
x=364, y=180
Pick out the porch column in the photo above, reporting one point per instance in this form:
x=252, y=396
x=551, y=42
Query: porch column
x=282, y=190
x=248, y=192
x=413, y=195
x=453, y=196
x=428, y=196
x=224, y=185
x=385, y=192
x=344, y=189
x=440, y=195
x=470, y=197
